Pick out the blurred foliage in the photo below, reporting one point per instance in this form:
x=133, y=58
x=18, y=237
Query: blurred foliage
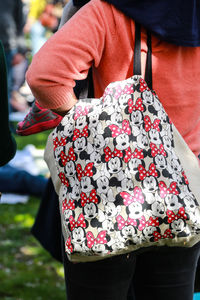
x=38, y=140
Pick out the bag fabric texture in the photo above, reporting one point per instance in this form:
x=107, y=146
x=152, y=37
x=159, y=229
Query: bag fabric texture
x=125, y=177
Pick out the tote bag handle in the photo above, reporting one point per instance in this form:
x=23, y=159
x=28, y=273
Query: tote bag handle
x=137, y=56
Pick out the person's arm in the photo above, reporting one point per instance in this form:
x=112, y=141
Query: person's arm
x=66, y=57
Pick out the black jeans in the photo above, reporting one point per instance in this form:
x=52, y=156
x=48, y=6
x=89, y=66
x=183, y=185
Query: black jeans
x=164, y=273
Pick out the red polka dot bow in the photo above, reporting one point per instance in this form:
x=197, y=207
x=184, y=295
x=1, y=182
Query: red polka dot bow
x=167, y=234
x=122, y=223
x=70, y=157
x=148, y=125
x=143, y=173
x=101, y=238
x=165, y=191
x=58, y=143
x=185, y=177
x=109, y=154
x=80, y=222
x=91, y=199
x=143, y=85
x=136, y=154
x=81, y=112
x=153, y=222
x=155, y=150
x=68, y=246
x=78, y=133
x=86, y=172
x=63, y=179
x=180, y=215
x=116, y=130
x=136, y=197
x=68, y=205
x=138, y=105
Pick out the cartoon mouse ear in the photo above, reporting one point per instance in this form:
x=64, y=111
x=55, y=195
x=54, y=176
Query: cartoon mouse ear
x=84, y=155
x=95, y=223
x=114, y=182
x=119, y=200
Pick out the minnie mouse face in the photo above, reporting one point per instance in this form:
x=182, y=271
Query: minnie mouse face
x=190, y=204
x=123, y=101
x=154, y=136
x=128, y=232
x=118, y=246
x=177, y=226
x=93, y=120
x=142, y=141
x=160, y=162
x=67, y=213
x=86, y=184
x=110, y=210
x=147, y=97
x=114, y=165
x=157, y=105
x=135, y=80
x=98, y=248
x=108, y=226
x=68, y=129
x=75, y=193
x=102, y=185
x=78, y=235
x=80, y=144
x=95, y=157
x=167, y=143
x=57, y=152
x=108, y=101
x=127, y=185
x=150, y=184
x=116, y=118
x=133, y=165
x=99, y=142
x=81, y=122
x=148, y=232
x=172, y=202
x=63, y=192
x=135, y=210
x=90, y=210
x=158, y=209
x=108, y=105
x=175, y=166
x=70, y=169
x=162, y=116
x=122, y=141
x=136, y=118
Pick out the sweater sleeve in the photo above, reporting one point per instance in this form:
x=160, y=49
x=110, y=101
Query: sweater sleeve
x=67, y=56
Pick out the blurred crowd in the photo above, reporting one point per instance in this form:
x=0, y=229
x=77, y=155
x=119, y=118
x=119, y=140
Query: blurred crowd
x=25, y=26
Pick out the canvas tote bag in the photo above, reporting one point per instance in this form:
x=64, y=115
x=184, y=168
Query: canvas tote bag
x=125, y=177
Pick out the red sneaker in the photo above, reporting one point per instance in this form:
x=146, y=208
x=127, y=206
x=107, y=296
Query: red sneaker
x=38, y=119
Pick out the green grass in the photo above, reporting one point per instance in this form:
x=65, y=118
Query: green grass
x=27, y=271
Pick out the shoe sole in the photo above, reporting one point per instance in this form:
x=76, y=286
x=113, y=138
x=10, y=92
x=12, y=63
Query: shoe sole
x=39, y=127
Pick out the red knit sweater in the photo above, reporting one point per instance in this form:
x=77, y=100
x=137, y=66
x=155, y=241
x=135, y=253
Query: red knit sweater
x=101, y=35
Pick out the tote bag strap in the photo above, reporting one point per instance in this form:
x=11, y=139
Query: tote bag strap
x=137, y=56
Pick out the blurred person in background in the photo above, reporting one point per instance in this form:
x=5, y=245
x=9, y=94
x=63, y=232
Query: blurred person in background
x=11, y=34
x=42, y=21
